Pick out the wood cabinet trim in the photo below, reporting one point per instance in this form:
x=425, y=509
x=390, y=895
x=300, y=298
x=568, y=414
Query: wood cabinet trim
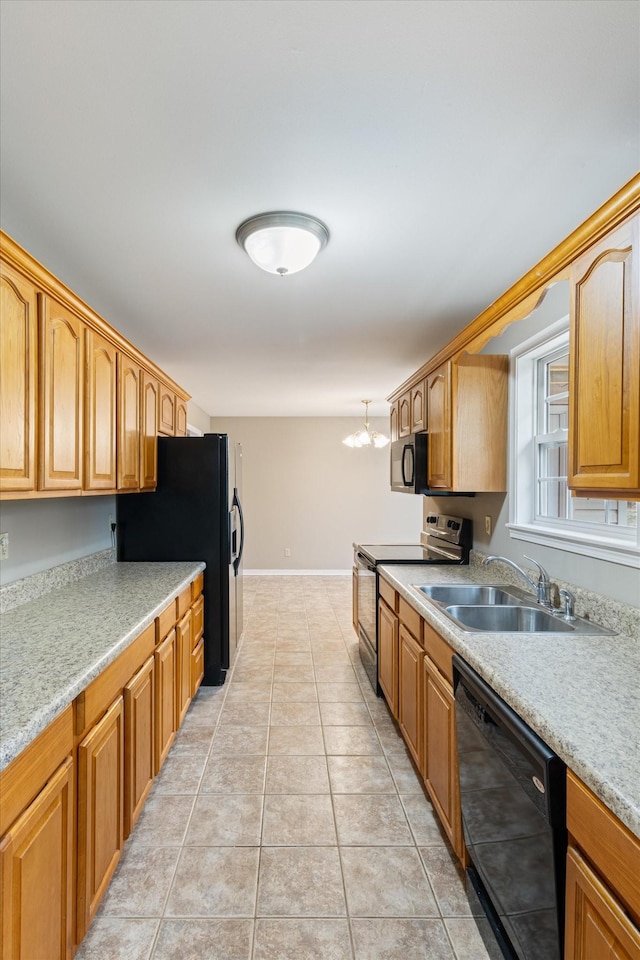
x=388, y=593
x=410, y=618
x=17, y=257
x=612, y=213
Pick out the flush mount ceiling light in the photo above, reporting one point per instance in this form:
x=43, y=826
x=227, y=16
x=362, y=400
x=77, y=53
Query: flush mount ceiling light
x=366, y=437
x=282, y=242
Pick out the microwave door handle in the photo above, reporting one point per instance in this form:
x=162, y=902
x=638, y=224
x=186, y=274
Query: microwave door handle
x=407, y=449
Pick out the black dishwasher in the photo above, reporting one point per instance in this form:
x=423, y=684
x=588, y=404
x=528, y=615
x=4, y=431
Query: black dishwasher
x=513, y=798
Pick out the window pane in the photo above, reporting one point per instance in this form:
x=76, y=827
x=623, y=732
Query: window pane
x=553, y=458
x=557, y=415
x=558, y=375
x=552, y=499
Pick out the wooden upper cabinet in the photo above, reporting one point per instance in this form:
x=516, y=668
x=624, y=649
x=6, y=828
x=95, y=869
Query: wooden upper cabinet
x=181, y=417
x=467, y=424
x=129, y=394
x=604, y=387
x=100, y=402
x=149, y=432
x=419, y=407
x=439, y=427
x=18, y=381
x=61, y=395
x=167, y=418
x=404, y=415
x=393, y=421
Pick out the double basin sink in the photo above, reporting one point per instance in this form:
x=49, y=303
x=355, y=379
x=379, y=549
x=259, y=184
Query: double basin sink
x=501, y=609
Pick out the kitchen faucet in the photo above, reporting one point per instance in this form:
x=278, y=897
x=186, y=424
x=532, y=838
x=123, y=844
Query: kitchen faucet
x=542, y=588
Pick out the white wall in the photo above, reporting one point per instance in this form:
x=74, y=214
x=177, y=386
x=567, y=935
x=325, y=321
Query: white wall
x=196, y=417
x=613, y=580
x=45, y=533
x=304, y=490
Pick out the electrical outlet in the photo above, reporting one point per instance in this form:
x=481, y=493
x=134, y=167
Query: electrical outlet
x=287, y=552
x=4, y=546
x=487, y=526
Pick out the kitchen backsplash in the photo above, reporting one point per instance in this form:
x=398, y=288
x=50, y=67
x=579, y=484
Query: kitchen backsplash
x=620, y=617
x=22, y=591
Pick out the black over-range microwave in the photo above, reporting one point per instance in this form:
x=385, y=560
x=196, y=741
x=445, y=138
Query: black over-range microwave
x=409, y=467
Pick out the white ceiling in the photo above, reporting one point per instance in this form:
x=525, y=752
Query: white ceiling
x=447, y=145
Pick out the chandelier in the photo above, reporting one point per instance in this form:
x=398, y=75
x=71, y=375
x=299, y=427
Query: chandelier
x=366, y=437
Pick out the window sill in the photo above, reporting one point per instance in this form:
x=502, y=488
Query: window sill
x=624, y=552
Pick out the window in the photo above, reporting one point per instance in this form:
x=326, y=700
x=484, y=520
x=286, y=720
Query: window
x=541, y=507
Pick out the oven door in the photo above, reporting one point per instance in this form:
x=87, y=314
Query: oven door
x=367, y=616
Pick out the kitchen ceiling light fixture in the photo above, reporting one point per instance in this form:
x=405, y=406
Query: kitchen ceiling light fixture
x=282, y=242
x=366, y=437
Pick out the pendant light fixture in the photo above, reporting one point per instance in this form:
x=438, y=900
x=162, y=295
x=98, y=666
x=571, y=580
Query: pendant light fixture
x=366, y=437
x=282, y=242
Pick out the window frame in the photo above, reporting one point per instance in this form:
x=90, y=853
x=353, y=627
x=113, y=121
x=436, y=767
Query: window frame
x=614, y=544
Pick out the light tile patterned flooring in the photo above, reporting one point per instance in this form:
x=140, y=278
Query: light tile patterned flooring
x=287, y=822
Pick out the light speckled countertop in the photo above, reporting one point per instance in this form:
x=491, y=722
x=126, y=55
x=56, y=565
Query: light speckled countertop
x=52, y=647
x=579, y=693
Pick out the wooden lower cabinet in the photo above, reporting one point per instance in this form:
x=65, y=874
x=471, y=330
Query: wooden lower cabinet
x=165, y=706
x=36, y=871
x=597, y=927
x=440, y=762
x=139, y=742
x=410, y=658
x=388, y=655
x=100, y=810
x=184, y=647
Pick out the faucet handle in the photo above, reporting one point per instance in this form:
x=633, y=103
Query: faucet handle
x=544, y=586
x=544, y=576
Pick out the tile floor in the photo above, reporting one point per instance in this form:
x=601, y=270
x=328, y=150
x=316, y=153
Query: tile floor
x=287, y=822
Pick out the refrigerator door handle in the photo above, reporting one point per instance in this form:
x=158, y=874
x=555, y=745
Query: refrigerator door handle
x=236, y=503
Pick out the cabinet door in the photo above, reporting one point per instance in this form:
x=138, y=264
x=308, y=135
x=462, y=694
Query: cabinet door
x=197, y=667
x=100, y=413
x=18, y=381
x=100, y=810
x=165, y=709
x=129, y=375
x=419, y=407
x=61, y=396
x=393, y=421
x=149, y=432
x=139, y=742
x=388, y=655
x=181, y=418
x=183, y=679
x=167, y=421
x=411, y=656
x=36, y=867
x=604, y=389
x=440, y=752
x=596, y=927
x=439, y=427
x=404, y=415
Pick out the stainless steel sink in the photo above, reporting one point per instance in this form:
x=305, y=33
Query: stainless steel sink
x=468, y=594
x=508, y=619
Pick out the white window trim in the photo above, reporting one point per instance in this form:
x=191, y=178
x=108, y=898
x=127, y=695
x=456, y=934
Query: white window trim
x=614, y=545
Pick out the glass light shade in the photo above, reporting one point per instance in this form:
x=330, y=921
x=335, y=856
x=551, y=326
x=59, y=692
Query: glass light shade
x=282, y=242
x=379, y=440
x=366, y=437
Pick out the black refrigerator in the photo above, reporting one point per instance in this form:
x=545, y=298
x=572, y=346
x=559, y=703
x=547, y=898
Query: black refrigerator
x=195, y=513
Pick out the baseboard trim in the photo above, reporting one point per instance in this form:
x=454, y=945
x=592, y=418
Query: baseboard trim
x=296, y=573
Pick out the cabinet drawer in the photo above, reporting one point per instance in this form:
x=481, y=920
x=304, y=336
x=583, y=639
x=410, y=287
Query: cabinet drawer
x=608, y=844
x=197, y=586
x=411, y=618
x=439, y=651
x=166, y=621
x=93, y=701
x=388, y=594
x=21, y=780
x=183, y=602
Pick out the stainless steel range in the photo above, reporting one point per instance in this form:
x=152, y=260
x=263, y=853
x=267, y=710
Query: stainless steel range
x=448, y=542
